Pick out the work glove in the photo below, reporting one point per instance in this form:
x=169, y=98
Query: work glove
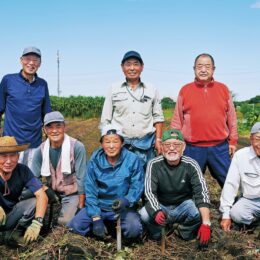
x=32, y=232
x=204, y=235
x=120, y=204
x=160, y=218
x=99, y=228
x=2, y=217
x=52, y=197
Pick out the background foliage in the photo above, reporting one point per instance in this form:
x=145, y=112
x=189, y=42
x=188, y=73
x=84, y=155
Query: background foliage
x=248, y=112
x=78, y=106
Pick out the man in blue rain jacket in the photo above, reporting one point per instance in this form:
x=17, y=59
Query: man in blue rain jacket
x=113, y=185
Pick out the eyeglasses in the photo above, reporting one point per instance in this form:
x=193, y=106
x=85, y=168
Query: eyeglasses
x=206, y=66
x=31, y=59
x=174, y=145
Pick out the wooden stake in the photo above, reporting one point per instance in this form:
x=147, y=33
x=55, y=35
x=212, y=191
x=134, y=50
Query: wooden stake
x=118, y=234
x=163, y=240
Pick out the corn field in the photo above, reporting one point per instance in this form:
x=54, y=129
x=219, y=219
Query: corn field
x=78, y=106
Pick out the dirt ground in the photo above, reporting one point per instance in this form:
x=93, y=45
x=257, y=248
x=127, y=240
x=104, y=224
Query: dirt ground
x=60, y=244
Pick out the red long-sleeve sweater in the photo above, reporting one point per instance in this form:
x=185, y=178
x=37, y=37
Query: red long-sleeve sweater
x=205, y=114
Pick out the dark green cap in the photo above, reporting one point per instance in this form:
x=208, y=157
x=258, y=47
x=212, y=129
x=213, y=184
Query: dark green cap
x=172, y=134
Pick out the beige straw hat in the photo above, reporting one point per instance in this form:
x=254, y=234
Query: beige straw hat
x=8, y=144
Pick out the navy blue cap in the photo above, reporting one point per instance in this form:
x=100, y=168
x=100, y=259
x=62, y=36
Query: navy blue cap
x=132, y=54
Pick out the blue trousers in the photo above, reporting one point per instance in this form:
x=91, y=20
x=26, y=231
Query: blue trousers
x=215, y=157
x=186, y=215
x=130, y=222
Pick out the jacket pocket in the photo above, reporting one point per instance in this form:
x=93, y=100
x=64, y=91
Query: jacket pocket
x=251, y=184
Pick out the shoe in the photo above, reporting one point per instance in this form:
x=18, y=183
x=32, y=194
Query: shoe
x=14, y=238
x=2, y=238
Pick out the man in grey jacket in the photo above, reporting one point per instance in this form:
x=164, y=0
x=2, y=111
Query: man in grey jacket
x=135, y=107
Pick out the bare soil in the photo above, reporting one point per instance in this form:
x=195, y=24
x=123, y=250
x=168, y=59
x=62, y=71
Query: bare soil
x=60, y=244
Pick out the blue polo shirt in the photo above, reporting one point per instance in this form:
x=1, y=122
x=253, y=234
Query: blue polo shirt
x=21, y=177
x=24, y=105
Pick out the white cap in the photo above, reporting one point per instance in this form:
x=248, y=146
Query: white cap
x=111, y=129
x=255, y=128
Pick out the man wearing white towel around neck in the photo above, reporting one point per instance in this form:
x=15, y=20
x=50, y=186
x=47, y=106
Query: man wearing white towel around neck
x=61, y=159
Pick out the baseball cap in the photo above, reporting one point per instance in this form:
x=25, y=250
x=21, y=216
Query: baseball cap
x=132, y=54
x=172, y=134
x=255, y=128
x=33, y=50
x=54, y=116
x=111, y=129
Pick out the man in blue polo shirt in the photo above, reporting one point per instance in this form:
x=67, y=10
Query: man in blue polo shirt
x=24, y=99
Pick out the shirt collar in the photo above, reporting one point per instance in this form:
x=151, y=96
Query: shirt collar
x=141, y=84
x=34, y=77
x=199, y=84
x=252, y=154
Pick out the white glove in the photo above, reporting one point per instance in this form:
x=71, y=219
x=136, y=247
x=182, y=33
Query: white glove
x=32, y=232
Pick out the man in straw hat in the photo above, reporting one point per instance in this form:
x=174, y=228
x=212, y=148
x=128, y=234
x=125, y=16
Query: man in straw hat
x=17, y=217
x=172, y=181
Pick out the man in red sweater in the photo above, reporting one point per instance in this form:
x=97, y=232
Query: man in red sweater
x=206, y=116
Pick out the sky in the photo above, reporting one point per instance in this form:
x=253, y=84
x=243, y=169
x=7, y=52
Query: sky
x=93, y=35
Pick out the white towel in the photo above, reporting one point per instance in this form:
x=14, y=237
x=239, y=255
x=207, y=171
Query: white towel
x=65, y=157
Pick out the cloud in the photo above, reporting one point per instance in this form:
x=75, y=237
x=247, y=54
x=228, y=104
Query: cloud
x=255, y=5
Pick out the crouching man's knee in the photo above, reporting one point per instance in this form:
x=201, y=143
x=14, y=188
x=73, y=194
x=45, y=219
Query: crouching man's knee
x=131, y=225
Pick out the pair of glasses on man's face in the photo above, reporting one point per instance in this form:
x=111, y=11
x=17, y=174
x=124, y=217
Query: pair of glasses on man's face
x=173, y=145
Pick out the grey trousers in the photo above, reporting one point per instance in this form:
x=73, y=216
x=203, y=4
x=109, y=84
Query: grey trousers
x=245, y=211
x=21, y=215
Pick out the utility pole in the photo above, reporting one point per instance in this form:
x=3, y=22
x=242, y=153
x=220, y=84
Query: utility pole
x=58, y=64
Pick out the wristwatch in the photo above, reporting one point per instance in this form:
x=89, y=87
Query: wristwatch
x=39, y=219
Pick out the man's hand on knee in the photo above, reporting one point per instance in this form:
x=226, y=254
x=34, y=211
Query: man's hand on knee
x=160, y=218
